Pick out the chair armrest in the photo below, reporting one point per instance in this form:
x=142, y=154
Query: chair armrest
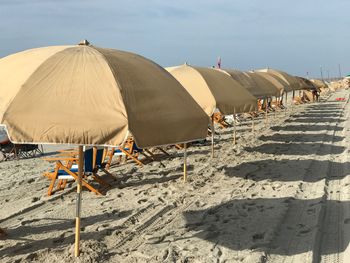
x=55, y=159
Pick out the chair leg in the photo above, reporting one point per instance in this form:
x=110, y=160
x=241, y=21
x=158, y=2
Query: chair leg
x=52, y=184
x=64, y=184
x=59, y=185
x=152, y=156
x=84, y=183
x=163, y=151
x=131, y=156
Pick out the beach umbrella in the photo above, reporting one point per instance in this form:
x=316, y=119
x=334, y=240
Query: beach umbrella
x=306, y=84
x=279, y=83
x=265, y=84
x=270, y=88
x=256, y=85
x=86, y=95
x=321, y=86
x=291, y=80
x=214, y=89
x=319, y=83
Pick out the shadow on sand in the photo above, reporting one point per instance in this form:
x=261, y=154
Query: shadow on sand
x=316, y=115
x=251, y=223
x=296, y=149
x=313, y=120
x=316, y=137
x=64, y=227
x=287, y=170
x=303, y=128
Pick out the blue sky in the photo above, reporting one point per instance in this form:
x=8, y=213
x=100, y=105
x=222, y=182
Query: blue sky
x=296, y=36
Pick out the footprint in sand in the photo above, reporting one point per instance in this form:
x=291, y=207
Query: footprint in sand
x=347, y=221
x=32, y=256
x=199, y=203
x=311, y=211
x=258, y=236
x=142, y=200
x=305, y=231
x=165, y=254
x=161, y=200
x=30, y=181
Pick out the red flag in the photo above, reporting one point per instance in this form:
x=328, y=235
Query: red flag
x=219, y=62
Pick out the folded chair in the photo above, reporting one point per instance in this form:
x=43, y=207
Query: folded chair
x=66, y=169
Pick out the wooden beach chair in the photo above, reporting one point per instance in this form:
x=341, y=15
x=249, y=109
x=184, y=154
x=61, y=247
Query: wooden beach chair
x=297, y=100
x=130, y=151
x=66, y=169
x=261, y=106
x=276, y=104
x=220, y=119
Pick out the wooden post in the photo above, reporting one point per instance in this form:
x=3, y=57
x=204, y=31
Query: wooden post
x=212, y=136
x=285, y=106
x=78, y=202
x=185, y=162
x=234, y=129
x=266, y=112
x=94, y=155
x=252, y=123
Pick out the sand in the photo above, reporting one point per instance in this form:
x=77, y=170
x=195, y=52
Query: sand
x=279, y=195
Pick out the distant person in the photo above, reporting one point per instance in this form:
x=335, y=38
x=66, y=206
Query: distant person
x=317, y=96
x=314, y=95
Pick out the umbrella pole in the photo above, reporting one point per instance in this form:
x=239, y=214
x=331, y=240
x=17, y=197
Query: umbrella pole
x=185, y=162
x=234, y=129
x=285, y=107
x=252, y=123
x=78, y=204
x=212, y=136
x=266, y=112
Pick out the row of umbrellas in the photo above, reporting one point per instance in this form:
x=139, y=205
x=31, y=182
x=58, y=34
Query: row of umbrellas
x=86, y=95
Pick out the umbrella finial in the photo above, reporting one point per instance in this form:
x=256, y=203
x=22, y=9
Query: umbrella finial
x=84, y=43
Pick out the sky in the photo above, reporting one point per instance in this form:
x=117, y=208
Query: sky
x=300, y=37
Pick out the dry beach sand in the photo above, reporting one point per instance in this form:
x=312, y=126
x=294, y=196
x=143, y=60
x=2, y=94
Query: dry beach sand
x=280, y=195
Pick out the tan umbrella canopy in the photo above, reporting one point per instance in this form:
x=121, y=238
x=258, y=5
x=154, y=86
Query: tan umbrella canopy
x=256, y=85
x=273, y=81
x=291, y=80
x=246, y=82
x=213, y=88
x=306, y=84
x=94, y=96
x=319, y=83
x=262, y=83
x=278, y=82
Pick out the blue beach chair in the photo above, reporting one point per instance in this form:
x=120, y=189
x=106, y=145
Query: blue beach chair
x=66, y=169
